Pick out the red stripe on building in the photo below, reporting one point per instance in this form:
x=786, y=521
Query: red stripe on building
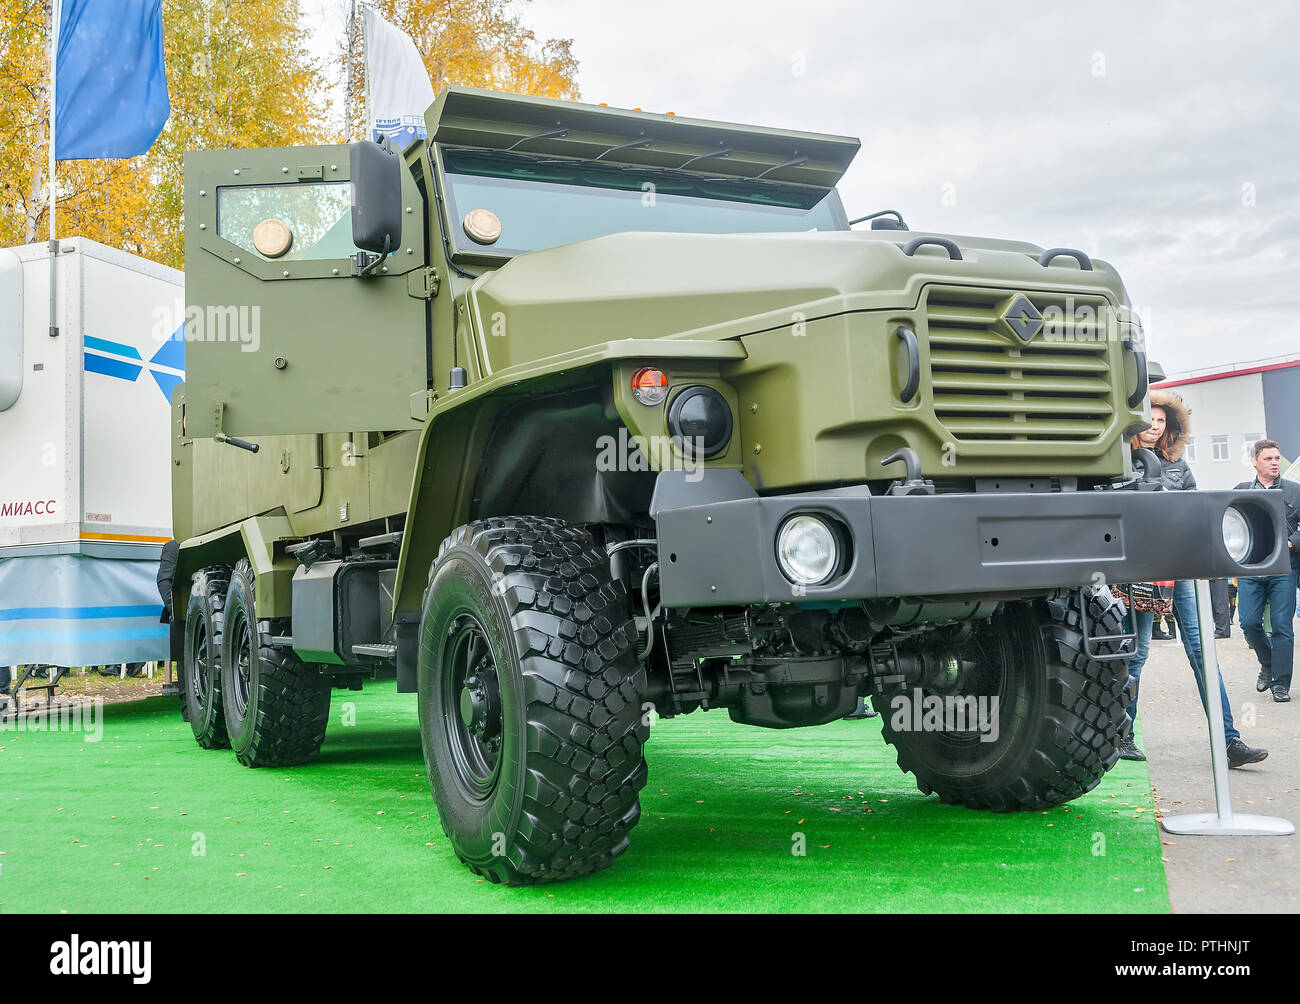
x=1225, y=374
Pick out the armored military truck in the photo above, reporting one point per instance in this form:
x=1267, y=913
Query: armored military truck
x=572, y=417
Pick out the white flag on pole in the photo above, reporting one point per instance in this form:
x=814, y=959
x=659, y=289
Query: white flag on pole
x=397, y=85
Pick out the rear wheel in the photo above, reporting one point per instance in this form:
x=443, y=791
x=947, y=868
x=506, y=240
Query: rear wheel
x=529, y=689
x=201, y=667
x=276, y=706
x=1049, y=719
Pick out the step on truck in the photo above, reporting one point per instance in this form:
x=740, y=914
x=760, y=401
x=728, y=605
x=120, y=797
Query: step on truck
x=573, y=418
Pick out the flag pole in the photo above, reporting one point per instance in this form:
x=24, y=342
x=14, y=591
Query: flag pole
x=54, y=244
x=349, y=100
x=365, y=72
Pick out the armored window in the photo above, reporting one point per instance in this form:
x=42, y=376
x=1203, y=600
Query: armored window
x=296, y=222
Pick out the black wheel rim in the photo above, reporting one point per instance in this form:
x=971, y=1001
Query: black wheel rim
x=201, y=666
x=996, y=659
x=243, y=667
x=471, y=704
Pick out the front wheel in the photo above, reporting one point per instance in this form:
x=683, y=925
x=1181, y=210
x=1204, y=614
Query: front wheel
x=529, y=689
x=1027, y=719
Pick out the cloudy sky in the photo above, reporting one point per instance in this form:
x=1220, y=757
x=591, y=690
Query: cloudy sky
x=1162, y=136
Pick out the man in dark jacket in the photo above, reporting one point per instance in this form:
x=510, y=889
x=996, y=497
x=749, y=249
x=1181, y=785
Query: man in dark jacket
x=1276, y=655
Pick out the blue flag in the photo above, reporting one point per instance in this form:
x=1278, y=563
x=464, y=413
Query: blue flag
x=111, y=89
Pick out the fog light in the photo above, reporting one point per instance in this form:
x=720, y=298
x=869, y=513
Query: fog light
x=806, y=550
x=1237, y=537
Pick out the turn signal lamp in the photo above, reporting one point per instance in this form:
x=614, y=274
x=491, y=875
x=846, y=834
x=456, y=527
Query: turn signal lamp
x=650, y=385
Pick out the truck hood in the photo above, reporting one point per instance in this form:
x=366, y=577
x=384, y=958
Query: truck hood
x=714, y=286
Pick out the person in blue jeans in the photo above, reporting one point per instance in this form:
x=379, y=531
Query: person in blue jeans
x=1276, y=654
x=1142, y=624
x=1167, y=439
x=1189, y=631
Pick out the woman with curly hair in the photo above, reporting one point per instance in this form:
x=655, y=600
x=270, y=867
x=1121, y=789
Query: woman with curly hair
x=1167, y=438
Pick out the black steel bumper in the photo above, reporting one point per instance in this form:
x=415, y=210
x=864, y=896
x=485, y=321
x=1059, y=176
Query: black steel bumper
x=717, y=540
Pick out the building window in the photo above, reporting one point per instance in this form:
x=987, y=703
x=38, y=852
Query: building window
x=1190, y=452
x=1219, y=447
x=1248, y=447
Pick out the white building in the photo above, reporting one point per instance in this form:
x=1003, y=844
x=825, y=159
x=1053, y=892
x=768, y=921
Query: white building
x=1233, y=407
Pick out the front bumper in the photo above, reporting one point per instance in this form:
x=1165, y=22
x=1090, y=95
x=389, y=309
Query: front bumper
x=716, y=540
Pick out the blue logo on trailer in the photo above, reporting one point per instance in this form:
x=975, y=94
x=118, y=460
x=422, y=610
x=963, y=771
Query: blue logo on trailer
x=124, y=362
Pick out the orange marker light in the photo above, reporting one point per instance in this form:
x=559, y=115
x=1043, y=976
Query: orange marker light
x=650, y=385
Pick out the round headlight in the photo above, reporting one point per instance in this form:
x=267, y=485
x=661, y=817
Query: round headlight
x=1237, y=536
x=700, y=419
x=806, y=550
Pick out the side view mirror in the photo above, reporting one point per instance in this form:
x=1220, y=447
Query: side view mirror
x=1155, y=372
x=376, y=197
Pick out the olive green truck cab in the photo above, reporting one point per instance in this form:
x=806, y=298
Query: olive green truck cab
x=571, y=417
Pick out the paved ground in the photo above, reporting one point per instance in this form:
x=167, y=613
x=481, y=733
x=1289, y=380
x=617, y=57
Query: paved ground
x=1222, y=874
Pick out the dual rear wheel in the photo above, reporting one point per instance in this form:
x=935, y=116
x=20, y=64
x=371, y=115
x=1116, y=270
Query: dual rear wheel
x=242, y=690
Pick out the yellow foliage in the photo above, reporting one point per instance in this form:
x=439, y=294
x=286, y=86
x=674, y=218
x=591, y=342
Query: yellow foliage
x=239, y=74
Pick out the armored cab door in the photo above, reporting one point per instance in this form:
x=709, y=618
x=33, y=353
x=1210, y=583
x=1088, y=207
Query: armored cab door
x=282, y=334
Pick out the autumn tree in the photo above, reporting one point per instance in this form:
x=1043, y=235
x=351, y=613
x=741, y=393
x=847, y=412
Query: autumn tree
x=479, y=43
x=238, y=74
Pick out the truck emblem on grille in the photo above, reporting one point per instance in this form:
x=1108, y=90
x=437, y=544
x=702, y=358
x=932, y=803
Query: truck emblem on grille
x=1024, y=318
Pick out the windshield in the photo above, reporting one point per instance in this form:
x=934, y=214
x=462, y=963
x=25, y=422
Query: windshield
x=545, y=202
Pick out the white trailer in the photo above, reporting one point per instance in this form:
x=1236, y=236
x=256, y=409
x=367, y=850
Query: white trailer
x=85, y=485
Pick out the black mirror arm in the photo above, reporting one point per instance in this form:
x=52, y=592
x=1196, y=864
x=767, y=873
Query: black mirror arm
x=374, y=263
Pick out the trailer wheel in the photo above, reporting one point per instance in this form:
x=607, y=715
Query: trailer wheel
x=1060, y=715
x=529, y=696
x=276, y=706
x=201, y=666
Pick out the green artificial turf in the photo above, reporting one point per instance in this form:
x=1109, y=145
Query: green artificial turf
x=146, y=821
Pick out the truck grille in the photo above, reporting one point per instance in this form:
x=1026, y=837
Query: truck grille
x=990, y=386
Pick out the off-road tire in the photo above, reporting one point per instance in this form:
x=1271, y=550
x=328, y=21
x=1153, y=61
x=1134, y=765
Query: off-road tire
x=1068, y=714
x=280, y=721
x=201, y=686
x=562, y=649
